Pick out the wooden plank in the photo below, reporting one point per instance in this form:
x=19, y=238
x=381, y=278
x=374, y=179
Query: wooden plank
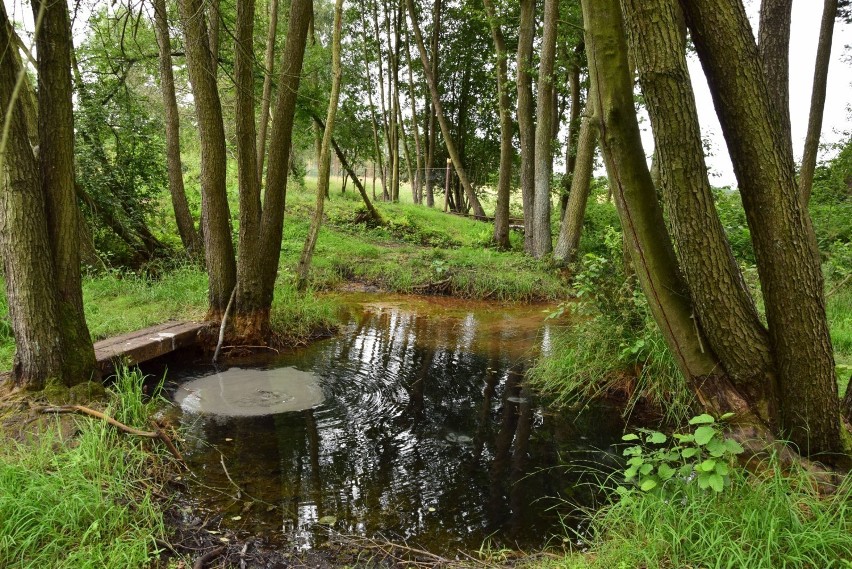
x=143, y=345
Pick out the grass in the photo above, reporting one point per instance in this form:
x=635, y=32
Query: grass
x=839, y=311
x=770, y=520
x=82, y=501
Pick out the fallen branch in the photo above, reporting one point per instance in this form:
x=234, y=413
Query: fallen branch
x=224, y=323
x=207, y=557
x=838, y=286
x=157, y=434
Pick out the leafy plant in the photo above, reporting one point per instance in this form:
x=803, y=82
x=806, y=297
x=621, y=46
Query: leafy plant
x=704, y=455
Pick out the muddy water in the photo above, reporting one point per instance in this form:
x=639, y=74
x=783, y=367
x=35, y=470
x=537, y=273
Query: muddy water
x=424, y=432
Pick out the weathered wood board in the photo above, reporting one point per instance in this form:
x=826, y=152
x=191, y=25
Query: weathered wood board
x=143, y=345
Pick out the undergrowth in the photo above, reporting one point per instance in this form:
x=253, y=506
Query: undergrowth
x=84, y=500
x=774, y=518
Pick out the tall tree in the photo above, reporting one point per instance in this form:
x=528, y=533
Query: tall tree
x=56, y=174
x=542, y=239
x=439, y=112
x=261, y=225
x=431, y=132
x=215, y=212
x=266, y=102
x=782, y=234
x=823, y=58
x=325, y=157
x=186, y=226
x=526, y=117
x=507, y=152
x=723, y=305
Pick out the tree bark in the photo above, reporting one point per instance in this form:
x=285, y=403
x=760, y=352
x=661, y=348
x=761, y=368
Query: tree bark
x=723, y=305
x=432, y=135
x=325, y=163
x=439, y=112
x=774, y=49
x=574, y=126
x=565, y=252
x=269, y=67
x=29, y=272
x=542, y=239
x=417, y=182
x=782, y=234
x=526, y=117
x=186, y=226
x=56, y=174
x=387, y=190
x=823, y=58
x=507, y=151
x=215, y=213
x=641, y=216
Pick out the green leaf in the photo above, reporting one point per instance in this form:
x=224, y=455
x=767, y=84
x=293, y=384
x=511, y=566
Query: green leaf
x=716, y=447
x=630, y=473
x=708, y=465
x=687, y=438
x=684, y=470
x=704, y=419
x=648, y=484
x=636, y=461
x=717, y=483
x=733, y=446
x=726, y=416
x=665, y=471
x=630, y=437
x=703, y=482
x=689, y=452
x=722, y=469
x=656, y=438
x=704, y=435
x=646, y=469
x=632, y=451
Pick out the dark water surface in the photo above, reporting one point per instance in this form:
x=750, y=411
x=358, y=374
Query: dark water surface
x=425, y=433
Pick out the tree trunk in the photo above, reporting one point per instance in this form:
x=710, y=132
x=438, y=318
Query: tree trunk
x=641, y=216
x=823, y=58
x=417, y=182
x=269, y=66
x=723, y=304
x=387, y=191
x=29, y=272
x=774, y=49
x=439, y=112
x=325, y=163
x=186, y=226
x=507, y=151
x=574, y=126
x=215, y=213
x=432, y=135
x=782, y=234
x=571, y=229
x=373, y=120
x=542, y=240
x=526, y=117
x=56, y=174
x=214, y=19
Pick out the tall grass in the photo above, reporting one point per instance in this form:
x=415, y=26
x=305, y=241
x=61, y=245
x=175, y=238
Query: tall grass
x=770, y=520
x=82, y=501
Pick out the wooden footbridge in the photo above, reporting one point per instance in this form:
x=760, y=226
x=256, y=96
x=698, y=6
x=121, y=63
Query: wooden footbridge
x=144, y=345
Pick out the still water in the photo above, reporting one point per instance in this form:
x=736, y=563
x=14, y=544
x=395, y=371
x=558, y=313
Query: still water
x=423, y=431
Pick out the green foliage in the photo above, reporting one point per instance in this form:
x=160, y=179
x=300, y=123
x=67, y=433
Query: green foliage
x=630, y=355
x=704, y=455
x=774, y=518
x=81, y=502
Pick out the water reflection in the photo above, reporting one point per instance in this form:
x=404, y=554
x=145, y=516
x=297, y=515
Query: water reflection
x=427, y=433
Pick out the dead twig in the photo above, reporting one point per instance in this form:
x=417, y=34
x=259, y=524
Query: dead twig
x=207, y=557
x=158, y=434
x=838, y=286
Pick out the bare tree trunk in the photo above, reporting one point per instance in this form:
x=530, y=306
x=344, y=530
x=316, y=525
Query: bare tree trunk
x=774, y=49
x=442, y=121
x=574, y=127
x=186, y=226
x=417, y=182
x=29, y=272
x=542, y=239
x=214, y=19
x=526, y=117
x=373, y=120
x=325, y=164
x=782, y=234
x=387, y=192
x=723, y=305
x=432, y=134
x=269, y=66
x=823, y=58
x=507, y=151
x=56, y=174
x=215, y=213
x=571, y=229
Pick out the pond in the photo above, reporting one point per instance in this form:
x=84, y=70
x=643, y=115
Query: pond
x=413, y=423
